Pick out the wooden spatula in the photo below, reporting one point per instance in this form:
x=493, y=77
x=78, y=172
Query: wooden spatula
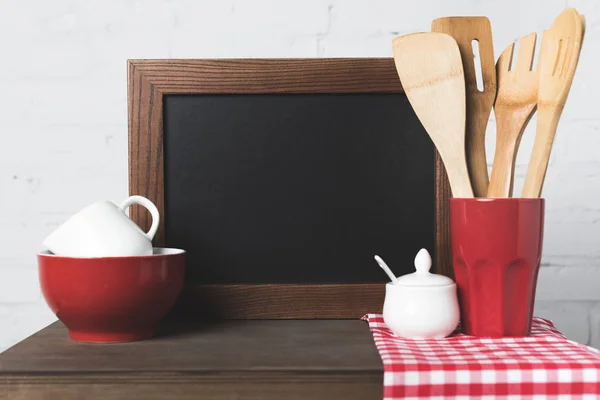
x=431, y=72
x=561, y=45
x=515, y=103
x=479, y=103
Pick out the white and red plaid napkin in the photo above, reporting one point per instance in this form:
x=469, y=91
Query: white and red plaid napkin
x=545, y=365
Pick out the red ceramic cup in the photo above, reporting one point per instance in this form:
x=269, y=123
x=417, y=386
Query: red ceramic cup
x=496, y=253
x=112, y=299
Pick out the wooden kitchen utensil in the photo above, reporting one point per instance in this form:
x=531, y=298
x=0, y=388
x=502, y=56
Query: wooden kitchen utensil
x=559, y=55
x=515, y=103
x=431, y=72
x=582, y=30
x=478, y=103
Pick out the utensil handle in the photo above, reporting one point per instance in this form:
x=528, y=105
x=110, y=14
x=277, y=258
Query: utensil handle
x=476, y=159
x=458, y=177
x=144, y=202
x=501, y=180
x=548, y=118
x=509, y=131
x=460, y=184
x=386, y=269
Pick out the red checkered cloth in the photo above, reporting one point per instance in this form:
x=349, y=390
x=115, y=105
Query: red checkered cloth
x=545, y=365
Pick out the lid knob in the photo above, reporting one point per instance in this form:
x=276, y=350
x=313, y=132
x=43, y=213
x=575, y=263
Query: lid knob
x=423, y=261
x=423, y=277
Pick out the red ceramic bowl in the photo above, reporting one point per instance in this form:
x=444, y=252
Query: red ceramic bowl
x=112, y=299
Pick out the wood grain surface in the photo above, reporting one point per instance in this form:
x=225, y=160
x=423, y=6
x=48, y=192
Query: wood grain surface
x=558, y=59
x=443, y=249
x=515, y=104
x=479, y=103
x=282, y=301
x=255, y=386
x=435, y=85
x=250, y=359
x=150, y=80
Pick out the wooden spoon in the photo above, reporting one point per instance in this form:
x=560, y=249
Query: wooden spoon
x=561, y=45
x=431, y=72
x=479, y=103
x=515, y=105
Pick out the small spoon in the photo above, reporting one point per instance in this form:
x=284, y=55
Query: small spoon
x=386, y=269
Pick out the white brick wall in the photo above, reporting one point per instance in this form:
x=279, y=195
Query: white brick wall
x=64, y=116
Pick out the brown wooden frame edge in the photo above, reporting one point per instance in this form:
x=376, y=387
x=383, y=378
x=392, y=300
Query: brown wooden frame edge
x=150, y=80
x=282, y=301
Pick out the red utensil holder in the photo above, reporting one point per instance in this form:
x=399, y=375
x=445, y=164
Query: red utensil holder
x=496, y=254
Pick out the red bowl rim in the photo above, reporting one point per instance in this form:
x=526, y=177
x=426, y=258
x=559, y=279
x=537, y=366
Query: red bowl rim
x=156, y=252
x=498, y=199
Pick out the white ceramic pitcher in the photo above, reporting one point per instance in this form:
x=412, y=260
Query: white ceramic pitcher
x=102, y=229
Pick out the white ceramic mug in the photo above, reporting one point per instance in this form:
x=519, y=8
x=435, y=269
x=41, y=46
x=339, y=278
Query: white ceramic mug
x=103, y=229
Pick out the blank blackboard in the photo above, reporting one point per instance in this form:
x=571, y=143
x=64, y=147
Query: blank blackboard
x=282, y=178
x=296, y=188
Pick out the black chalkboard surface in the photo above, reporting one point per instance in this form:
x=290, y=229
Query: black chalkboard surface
x=296, y=188
x=282, y=178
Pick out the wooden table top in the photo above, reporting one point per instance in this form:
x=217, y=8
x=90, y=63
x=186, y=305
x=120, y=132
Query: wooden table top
x=260, y=358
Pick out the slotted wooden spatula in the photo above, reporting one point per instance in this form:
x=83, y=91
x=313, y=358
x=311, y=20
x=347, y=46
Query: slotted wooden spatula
x=479, y=103
x=515, y=104
x=559, y=55
x=431, y=72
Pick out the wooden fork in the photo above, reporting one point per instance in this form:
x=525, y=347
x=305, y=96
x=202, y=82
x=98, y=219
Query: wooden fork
x=559, y=55
x=515, y=104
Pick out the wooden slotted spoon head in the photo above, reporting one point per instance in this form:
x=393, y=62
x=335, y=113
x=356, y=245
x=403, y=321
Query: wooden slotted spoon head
x=558, y=60
x=515, y=104
x=479, y=103
x=431, y=72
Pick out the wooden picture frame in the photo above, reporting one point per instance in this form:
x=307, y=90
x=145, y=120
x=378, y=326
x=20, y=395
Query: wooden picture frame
x=150, y=80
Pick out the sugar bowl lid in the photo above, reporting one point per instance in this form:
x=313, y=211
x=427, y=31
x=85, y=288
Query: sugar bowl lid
x=422, y=276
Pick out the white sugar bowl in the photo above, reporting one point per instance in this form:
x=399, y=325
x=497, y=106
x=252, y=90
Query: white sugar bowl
x=420, y=305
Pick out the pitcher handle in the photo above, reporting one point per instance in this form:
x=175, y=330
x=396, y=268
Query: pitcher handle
x=144, y=202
